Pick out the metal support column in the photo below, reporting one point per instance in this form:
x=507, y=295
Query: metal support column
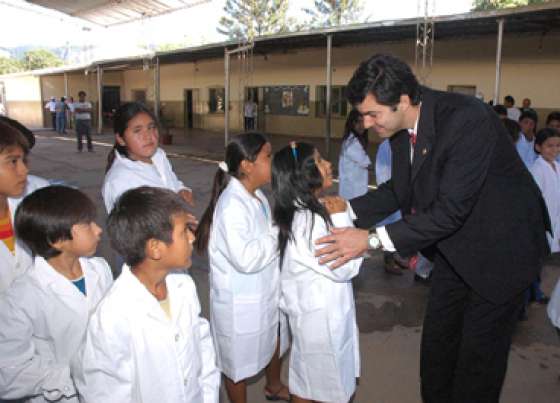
x=498, y=61
x=66, y=84
x=328, y=98
x=156, y=89
x=99, y=99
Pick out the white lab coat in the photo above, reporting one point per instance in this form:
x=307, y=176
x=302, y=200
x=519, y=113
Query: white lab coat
x=244, y=283
x=549, y=182
x=126, y=174
x=325, y=357
x=14, y=265
x=553, y=307
x=43, y=320
x=352, y=169
x=134, y=353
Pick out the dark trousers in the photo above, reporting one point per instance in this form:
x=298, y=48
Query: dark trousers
x=53, y=117
x=83, y=127
x=465, y=341
x=249, y=123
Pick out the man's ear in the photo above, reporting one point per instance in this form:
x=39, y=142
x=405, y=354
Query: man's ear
x=153, y=249
x=404, y=102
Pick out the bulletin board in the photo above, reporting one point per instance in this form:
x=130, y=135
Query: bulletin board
x=287, y=100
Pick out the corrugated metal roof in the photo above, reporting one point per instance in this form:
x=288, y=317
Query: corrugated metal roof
x=114, y=12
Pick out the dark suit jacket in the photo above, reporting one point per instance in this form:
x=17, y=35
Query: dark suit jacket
x=475, y=202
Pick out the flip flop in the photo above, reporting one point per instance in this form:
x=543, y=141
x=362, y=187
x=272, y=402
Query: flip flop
x=275, y=396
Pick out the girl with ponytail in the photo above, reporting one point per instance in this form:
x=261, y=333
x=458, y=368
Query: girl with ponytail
x=319, y=302
x=236, y=231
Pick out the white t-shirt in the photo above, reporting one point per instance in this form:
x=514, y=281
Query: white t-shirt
x=82, y=115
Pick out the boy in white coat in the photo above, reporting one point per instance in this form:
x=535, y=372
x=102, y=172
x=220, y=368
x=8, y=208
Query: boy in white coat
x=147, y=342
x=44, y=313
x=324, y=360
x=15, y=183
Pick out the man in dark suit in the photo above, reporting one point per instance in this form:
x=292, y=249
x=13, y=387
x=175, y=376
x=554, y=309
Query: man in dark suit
x=468, y=204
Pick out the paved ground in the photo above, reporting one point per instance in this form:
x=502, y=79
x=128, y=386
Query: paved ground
x=389, y=308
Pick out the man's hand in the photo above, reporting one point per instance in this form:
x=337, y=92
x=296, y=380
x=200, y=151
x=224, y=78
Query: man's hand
x=334, y=204
x=187, y=196
x=342, y=245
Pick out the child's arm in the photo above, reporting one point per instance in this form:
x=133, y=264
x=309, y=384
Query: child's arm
x=305, y=251
x=105, y=366
x=24, y=372
x=247, y=252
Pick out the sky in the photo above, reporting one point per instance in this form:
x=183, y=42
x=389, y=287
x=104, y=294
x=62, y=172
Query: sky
x=25, y=24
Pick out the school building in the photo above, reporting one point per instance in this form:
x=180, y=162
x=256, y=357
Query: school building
x=487, y=54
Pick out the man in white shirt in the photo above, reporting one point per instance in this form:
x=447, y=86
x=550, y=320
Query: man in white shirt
x=51, y=106
x=82, y=115
x=249, y=110
x=513, y=113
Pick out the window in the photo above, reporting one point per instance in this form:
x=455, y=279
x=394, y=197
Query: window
x=463, y=89
x=139, y=96
x=216, y=100
x=339, y=106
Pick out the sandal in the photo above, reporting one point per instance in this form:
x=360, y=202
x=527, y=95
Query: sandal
x=276, y=396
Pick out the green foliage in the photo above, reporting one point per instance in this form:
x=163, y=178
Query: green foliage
x=497, y=4
x=247, y=19
x=329, y=13
x=9, y=65
x=39, y=59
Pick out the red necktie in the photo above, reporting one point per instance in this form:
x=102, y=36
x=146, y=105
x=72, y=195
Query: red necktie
x=412, y=138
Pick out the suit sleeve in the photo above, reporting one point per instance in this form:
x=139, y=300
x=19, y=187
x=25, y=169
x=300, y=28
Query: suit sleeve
x=375, y=205
x=462, y=177
x=24, y=372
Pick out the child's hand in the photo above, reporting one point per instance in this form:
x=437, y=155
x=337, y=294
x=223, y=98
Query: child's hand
x=187, y=196
x=334, y=204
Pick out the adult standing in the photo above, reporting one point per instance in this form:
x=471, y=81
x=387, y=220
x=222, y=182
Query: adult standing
x=469, y=204
x=82, y=116
x=51, y=107
x=249, y=112
x=354, y=162
x=60, y=110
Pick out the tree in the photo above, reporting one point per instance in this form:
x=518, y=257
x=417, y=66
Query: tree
x=247, y=19
x=9, y=65
x=40, y=58
x=329, y=13
x=496, y=4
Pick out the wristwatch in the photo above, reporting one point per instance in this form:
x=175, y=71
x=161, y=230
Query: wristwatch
x=373, y=241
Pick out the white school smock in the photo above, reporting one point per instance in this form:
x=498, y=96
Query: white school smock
x=244, y=283
x=14, y=265
x=325, y=357
x=553, y=307
x=549, y=183
x=352, y=169
x=43, y=320
x=134, y=353
x=126, y=174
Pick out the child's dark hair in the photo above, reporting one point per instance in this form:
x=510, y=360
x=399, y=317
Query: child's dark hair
x=513, y=128
x=12, y=137
x=139, y=215
x=350, y=127
x=554, y=115
x=122, y=117
x=28, y=134
x=245, y=146
x=295, y=179
x=543, y=135
x=529, y=115
x=47, y=216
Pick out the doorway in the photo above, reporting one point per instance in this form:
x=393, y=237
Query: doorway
x=256, y=93
x=189, y=97
x=111, y=102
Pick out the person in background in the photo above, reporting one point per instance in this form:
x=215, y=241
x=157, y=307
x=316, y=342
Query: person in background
x=501, y=111
x=526, y=106
x=51, y=107
x=249, y=113
x=526, y=143
x=512, y=112
x=553, y=120
x=70, y=114
x=61, y=109
x=82, y=116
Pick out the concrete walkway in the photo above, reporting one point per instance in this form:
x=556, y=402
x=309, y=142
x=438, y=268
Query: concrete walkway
x=389, y=308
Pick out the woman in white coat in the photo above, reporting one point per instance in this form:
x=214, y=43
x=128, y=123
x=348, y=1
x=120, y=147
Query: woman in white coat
x=15, y=264
x=354, y=162
x=45, y=312
x=324, y=361
x=136, y=159
x=236, y=230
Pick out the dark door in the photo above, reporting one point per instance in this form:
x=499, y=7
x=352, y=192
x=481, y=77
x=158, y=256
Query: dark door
x=111, y=102
x=189, y=112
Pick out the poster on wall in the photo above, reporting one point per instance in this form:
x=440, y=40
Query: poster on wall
x=287, y=100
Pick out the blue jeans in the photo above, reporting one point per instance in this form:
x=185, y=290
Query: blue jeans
x=61, y=122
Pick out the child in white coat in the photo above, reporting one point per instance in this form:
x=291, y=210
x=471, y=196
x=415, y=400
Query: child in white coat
x=236, y=230
x=44, y=313
x=354, y=162
x=324, y=361
x=15, y=183
x=136, y=159
x=147, y=342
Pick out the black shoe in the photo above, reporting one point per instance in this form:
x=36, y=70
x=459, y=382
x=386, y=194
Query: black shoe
x=400, y=261
x=421, y=280
x=543, y=300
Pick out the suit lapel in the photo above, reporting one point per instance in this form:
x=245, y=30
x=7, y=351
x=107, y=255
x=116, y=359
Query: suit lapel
x=425, y=135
